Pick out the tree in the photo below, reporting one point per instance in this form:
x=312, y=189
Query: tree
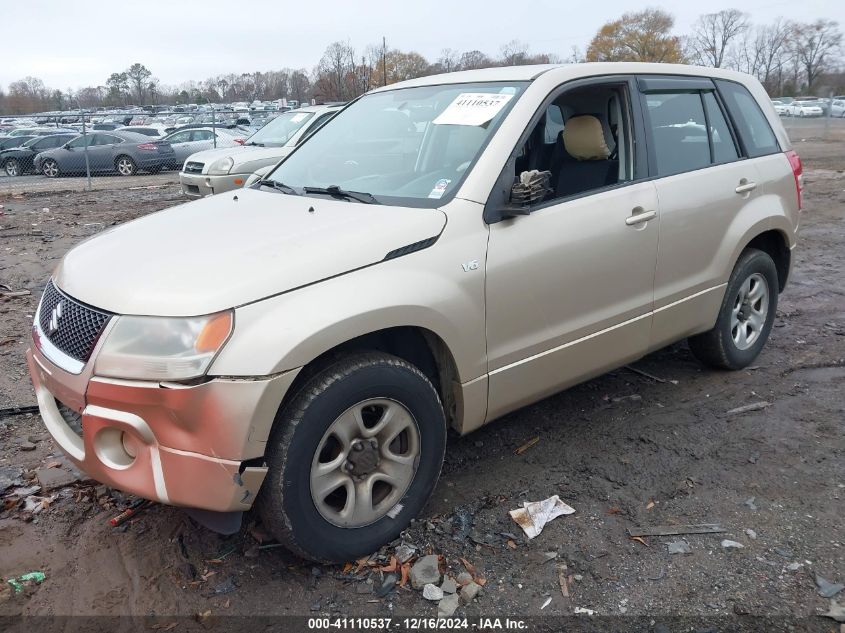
x=514, y=53
x=448, y=61
x=637, y=37
x=475, y=59
x=138, y=74
x=333, y=72
x=815, y=47
x=713, y=33
x=118, y=85
x=401, y=66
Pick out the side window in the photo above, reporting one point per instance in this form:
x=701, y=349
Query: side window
x=202, y=135
x=724, y=150
x=82, y=141
x=754, y=130
x=180, y=137
x=582, y=141
x=678, y=132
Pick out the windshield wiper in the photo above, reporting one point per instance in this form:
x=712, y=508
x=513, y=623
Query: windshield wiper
x=336, y=192
x=278, y=186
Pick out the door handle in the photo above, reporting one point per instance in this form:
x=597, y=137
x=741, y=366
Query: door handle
x=745, y=186
x=638, y=216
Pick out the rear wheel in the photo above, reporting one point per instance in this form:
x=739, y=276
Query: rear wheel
x=353, y=458
x=12, y=167
x=746, y=317
x=50, y=168
x=125, y=166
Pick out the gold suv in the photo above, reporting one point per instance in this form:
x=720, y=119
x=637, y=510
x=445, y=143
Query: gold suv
x=443, y=251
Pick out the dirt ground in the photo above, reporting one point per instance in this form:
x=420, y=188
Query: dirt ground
x=624, y=450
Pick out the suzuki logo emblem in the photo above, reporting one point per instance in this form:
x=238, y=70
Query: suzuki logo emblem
x=54, y=317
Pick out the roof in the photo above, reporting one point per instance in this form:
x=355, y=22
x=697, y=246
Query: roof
x=564, y=72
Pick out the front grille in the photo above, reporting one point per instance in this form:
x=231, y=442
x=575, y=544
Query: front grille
x=193, y=168
x=69, y=325
x=71, y=418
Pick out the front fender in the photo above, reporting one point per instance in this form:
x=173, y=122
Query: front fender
x=426, y=289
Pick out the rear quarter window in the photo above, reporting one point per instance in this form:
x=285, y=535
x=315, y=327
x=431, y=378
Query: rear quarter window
x=751, y=124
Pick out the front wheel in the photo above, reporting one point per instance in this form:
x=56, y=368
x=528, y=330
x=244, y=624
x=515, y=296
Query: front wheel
x=353, y=458
x=12, y=168
x=746, y=316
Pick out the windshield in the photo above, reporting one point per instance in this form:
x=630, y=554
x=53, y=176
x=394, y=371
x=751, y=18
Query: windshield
x=280, y=130
x=408, y=146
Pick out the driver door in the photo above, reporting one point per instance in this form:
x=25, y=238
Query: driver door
x=570, y=285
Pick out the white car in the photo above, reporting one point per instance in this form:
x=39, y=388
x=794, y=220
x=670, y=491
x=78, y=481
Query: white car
x=217, y=170
x=837, y=107
x=805, y=109
x=780, y=107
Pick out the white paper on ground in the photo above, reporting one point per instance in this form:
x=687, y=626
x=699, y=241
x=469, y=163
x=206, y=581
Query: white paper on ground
x=533, y=515
x=473, y=108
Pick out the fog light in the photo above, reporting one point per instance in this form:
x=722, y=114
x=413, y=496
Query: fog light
x=115, y=448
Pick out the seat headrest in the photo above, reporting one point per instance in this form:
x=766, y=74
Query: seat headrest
x=583, y=138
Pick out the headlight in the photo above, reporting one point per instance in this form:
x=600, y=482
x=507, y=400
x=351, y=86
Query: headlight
x=221, y=166
x=163, y=348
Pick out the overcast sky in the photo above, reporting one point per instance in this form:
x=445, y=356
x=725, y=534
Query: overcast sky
x=70, y=44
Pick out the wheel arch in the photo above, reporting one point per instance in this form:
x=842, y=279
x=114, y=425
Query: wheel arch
x=773, y=242
x=417, y=345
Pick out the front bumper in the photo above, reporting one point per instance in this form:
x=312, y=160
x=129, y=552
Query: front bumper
x=175, y=444
x=201, y=185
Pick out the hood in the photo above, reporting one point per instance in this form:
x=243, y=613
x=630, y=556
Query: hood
x=226, y=250
x=241, y=154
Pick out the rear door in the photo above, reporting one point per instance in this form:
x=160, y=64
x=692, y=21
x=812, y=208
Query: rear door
x=703, y=184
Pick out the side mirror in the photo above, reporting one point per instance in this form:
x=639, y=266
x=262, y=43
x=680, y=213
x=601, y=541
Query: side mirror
x=529, y=189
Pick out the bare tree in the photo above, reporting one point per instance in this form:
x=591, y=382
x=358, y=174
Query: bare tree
x=138, y=74
x=713, y=33
x=449, y=60
x=815, y=47
x=514, y=53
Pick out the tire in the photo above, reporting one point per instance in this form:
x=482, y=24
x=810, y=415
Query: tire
x=328, y=526
x=125, y=166
x=50, y=168
x=12, y=168
x=746, y=316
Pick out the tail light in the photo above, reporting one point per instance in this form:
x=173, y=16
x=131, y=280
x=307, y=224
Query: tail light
x=797, y=171
x=239, y=141
x=148, y=146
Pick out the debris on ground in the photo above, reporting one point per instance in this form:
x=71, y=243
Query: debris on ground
x=18, y=584
x=751, y=534
x=469, y=592
x=449, y=585
x=534, y=515
x=138, y=505
x=828, y=589
x=673, y=530
x=729, y=544
x=650, y=376
x=432, y=592
x=750, y=503
x=546, y=603
x=447, y=606
x=426, y=570
x=679, y=547
x=404, y=553
x=584, y=611
x=836, y=611
x=527, y=445
x=748, y=408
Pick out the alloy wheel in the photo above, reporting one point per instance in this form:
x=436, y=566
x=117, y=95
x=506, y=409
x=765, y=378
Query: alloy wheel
x=750, y=309
x=125, y=167
x=50, y=168
x=365, y=462
x=12, y=168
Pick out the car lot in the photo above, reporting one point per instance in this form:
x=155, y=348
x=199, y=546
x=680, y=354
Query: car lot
x=625, y=450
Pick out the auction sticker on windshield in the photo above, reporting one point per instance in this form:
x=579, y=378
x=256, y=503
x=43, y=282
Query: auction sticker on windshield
x=473, y=108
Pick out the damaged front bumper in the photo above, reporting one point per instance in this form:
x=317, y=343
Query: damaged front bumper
x=184, y=445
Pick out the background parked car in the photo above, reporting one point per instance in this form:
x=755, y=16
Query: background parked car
x=154, y=131
x=837, y=107
x=20, y=160
x=214, y=171
x=780, y=107
x=121, y=152
x=805, y=109
x=9, y=142
x=190, y=141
